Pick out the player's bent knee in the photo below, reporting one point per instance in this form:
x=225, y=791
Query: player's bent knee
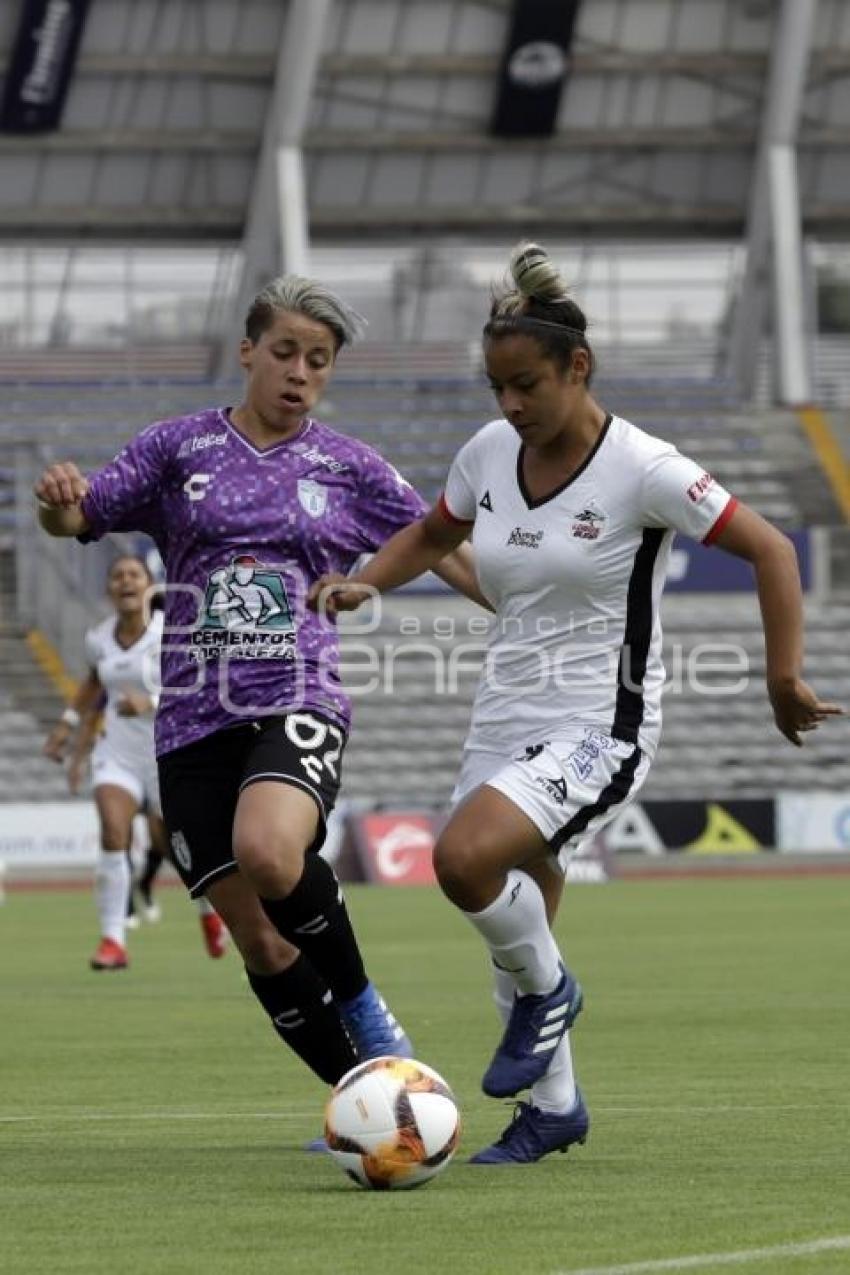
x=456, y=864
x=273, y=868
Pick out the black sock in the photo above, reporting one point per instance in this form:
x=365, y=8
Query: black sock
x=153, y=863
x=314, y=919
x=306, y=1017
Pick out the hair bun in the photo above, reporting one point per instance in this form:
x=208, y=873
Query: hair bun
x=536, y=275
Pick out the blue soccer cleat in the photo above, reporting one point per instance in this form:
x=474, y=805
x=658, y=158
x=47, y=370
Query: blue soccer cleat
x=535, y=1029
x=534, y=1133
x=372, y=1028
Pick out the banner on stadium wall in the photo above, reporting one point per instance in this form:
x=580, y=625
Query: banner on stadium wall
x=691, y=827
x=534, y=68
x=51, y=834
x=696, y=568
x=395, y=847
x=41, y=64
x=813, y=822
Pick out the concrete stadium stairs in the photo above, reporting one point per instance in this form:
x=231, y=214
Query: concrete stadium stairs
x=762, y=455
x=29, y=706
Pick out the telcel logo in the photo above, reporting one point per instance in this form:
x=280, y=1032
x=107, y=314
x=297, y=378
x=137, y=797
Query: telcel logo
x=203, y=441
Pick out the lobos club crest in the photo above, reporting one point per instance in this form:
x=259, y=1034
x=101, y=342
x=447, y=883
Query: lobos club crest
x=312, y=496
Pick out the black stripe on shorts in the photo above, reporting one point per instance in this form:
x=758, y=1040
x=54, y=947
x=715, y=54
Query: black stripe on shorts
x=612, y=794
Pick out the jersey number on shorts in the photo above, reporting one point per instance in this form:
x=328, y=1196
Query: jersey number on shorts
x=310, y=735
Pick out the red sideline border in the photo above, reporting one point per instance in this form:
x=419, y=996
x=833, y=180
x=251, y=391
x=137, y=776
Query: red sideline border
x=625, y=872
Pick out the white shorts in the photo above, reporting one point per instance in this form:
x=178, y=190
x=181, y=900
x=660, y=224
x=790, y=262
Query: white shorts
x=570, y=786
x=137, y=777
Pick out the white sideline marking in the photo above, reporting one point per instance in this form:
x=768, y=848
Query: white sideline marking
x=714, y=1108
x=809, y=1249
x=87, y=1116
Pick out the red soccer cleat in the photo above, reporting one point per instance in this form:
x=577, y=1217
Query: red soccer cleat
x=215, y=934
x=109, y=956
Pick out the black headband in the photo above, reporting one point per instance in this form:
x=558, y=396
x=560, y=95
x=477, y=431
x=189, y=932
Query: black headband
x=517, y=319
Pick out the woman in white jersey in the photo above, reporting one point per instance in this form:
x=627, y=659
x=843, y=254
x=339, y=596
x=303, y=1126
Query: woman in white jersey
x=572, y=514
x=122, y=654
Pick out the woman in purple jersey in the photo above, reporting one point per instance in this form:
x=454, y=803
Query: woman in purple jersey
x=574, y=513
x=248, y=507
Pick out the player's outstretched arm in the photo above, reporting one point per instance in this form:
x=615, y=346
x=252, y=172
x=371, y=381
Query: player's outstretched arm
x=85, y=702
x=59, y=492
x=796, y=707
x=83, y=745
x=409, y=553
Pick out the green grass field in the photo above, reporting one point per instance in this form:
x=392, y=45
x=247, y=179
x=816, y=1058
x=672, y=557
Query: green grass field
x=150, y=1122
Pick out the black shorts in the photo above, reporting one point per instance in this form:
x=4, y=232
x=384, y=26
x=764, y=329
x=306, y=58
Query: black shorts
x=200, y=785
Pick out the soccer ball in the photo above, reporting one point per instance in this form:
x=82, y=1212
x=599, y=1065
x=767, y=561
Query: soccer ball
x=392, y=1123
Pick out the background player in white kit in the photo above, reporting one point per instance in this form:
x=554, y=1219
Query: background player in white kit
x=572, y=516
x=122, y=654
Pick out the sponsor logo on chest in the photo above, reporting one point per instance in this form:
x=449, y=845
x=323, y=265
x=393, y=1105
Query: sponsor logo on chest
x=525, y=539
x=587, y=523
x=246, y=614
x=200, y=443
x=310, y=453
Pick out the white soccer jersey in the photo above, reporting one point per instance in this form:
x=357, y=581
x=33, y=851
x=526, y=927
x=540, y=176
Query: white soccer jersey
x=129, y=740
x=576, y=581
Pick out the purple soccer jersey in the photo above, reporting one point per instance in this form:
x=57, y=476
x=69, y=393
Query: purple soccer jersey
x=243, y=534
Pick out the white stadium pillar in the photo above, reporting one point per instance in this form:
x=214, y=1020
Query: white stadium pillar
x=292, y=206
x=791, y=339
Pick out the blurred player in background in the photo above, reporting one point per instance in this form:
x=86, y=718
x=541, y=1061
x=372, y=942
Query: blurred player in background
x=90, y=725
x=122, y=653
x=248, y=506
x=572, y=515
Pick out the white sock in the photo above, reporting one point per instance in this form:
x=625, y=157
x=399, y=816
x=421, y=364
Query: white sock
x=503, y=993
x=112, y=886
x=516, y=931
x=556, y=1091
x=204, y=906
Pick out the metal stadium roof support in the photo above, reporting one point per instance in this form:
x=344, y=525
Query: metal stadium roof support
x=276, y=225
x=774, y=235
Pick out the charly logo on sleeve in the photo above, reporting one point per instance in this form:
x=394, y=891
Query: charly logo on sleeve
x=246, y=615
x=588, y=523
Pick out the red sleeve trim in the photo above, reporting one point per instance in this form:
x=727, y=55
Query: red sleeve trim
x=731, y=505
x=447, y=513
